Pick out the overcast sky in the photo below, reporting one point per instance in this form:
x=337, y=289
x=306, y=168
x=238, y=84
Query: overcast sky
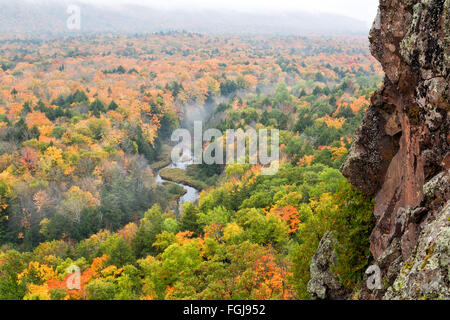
x=360, y=9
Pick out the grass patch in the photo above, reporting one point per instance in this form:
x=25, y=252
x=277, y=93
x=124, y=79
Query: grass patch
x=163, y=159
x=160, y=164
x=180, y=176
x=168, y=194
x=174, y=190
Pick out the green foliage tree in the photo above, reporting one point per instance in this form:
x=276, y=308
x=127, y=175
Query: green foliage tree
x=151, y=226
x=189, y=220
x=100, y=290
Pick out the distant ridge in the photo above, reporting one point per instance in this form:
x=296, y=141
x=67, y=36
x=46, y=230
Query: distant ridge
x=50, y=16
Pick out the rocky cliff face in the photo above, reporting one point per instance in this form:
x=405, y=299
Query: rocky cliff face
x=401, y=154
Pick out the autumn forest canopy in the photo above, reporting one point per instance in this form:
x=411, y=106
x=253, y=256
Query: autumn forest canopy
x=85, y=127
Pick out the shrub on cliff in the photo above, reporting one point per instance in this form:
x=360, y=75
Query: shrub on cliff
x=349, y=214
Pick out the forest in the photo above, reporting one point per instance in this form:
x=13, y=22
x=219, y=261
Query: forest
x=85, y=128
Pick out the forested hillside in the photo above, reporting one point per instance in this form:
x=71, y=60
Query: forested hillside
x=85, y=125
x=44, y=17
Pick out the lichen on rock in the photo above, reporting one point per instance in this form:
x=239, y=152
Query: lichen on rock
x=427, y=274
x=401, y=153
x=324, y=284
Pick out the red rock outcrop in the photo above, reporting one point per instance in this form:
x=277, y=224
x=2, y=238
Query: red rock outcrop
x=403, y=144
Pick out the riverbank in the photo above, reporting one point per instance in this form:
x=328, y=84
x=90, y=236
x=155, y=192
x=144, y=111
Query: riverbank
x=169, y=194
x=175, y=173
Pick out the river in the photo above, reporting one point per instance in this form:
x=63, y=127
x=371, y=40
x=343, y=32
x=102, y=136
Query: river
x=192, y=194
